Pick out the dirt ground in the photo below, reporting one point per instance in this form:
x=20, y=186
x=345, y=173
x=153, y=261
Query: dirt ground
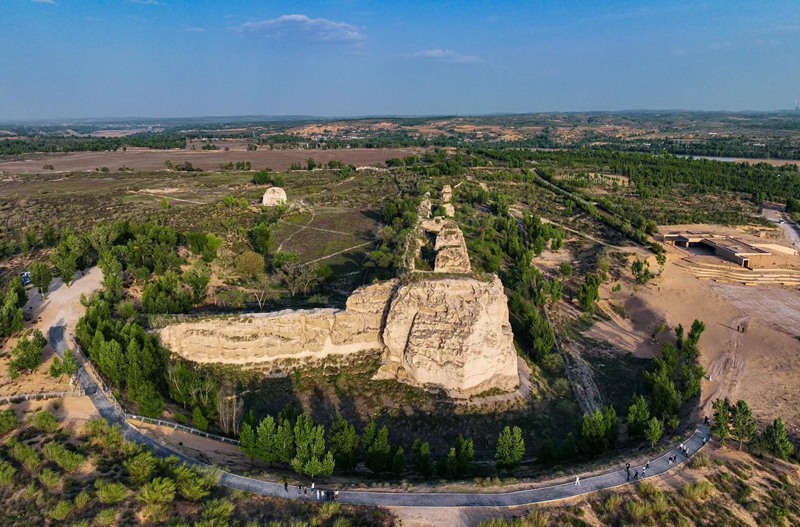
x=61, y=308
x=142, y=159
x=74, y=410
x=760, y=365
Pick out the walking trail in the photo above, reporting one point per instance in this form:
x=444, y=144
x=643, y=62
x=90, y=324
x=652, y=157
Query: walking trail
x=58, y=335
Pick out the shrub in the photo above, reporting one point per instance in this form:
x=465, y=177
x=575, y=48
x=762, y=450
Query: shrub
x=82, y=499
x=612, y=503
x=157, y=492
x=49, y=479
x=110, y=493
x=7, y=472
x=141, y=467
x=66, y=460
x=217, y=512
x=700, y=461
x=192, y=485
x=44, y=421
x=648, y=489
x=637, y=511
x=105, y=518
x=697, y=492
x=8, y=421
x=60, y=511
x=26, y=455
x=660, y=504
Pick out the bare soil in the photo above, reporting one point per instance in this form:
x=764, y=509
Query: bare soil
x=143, y=159
x=759, y=365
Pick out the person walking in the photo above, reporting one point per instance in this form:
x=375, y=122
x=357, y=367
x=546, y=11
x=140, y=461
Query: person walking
x=635, y=475
x=336, y=495
x=305, y=491
x=286, y=486
x=647, y=465
x=577, y=481
x=628, y=477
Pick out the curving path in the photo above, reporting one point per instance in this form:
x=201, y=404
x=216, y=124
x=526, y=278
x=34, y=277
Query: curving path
x=114, y=415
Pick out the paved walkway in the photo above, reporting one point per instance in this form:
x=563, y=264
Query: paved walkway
x=114, y=416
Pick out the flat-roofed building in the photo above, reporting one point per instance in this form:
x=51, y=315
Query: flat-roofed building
x=725, y=247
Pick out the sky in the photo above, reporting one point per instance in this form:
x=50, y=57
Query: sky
x=185, y=58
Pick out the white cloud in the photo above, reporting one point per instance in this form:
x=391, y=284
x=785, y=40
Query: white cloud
x=305, y=28
x=443, y=55
x=49, y=2
x=194, y=29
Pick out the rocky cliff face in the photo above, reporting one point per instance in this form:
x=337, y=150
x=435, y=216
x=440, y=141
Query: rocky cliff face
x=452, y=334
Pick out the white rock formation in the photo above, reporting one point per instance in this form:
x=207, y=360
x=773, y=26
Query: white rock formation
x=452, y=334
x=449, y=210
x=273, y=196
x=447, y=194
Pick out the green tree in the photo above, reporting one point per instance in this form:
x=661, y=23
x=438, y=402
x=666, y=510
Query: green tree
x=247, y=440
x=249, y=264
x=41, y=276
x=399, y=462
x=722, y=419
x=459, y=459
x=510, y=448
x=775, y=440
x=377, y=449
x=421, y=456
x=310, y=456
x=641, y=271
x=654, y=431
x=593, y=432
x=744, y=426
x=344, y=442
x=199, y=420
x=638, y=415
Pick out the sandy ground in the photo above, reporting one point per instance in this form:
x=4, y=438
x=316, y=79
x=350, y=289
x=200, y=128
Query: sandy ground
x=453, y=516
x=75, y=410
x=153, y=160
x=210, y=451
x=61, y=308
x=760, y=365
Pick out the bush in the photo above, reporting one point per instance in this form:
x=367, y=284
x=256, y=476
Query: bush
x=637, y=511
x=612, y=503
x=105, y=518
x=110, y=493
x=49, y=479
x=66, y=460
x=26, y=455
x=60, y=511
x=141, y=467
x=44, y=421
x=82, y=499
x=700, y=461
x=697, y=492
x=7, y=472
x=8, y=421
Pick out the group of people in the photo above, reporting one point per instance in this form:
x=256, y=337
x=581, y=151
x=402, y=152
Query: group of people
x=636, y=474
x=318, y=494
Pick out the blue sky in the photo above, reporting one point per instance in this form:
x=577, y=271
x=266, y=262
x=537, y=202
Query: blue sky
x=177, y=58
